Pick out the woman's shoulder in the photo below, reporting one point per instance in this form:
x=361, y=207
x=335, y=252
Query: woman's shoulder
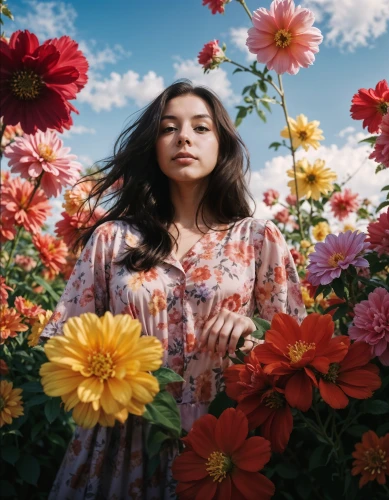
x=116, y=230
x=258, y=225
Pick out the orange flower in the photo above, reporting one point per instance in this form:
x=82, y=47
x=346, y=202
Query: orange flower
x=3, y=367
x=371, y=458
x=296, y=351
x=28, y=309
x=279, y=275
x=261, y=400
x=3, y=290
x=157, y=302
x=10, y=323
x=201, y=274
x=232, y=303
x=239, y=252
x=52, y=251
x=220, y=462
x=354, y=376
x=7, y=230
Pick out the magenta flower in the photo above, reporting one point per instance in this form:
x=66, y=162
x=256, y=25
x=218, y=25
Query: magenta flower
x=371, y=324
x=283, y=38
x=378, y=234
x=43, y=152
x=211, y=55
x=344, y=203
x=270, y=197
x=381, y=148
x=335, y=254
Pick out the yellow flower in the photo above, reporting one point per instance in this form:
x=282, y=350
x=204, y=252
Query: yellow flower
x=38, y=327
x=75, y=197
x=307, y=299
x=99, y=368
x=348, y=227
x=11, y=405
x=304, y=133
x=305, y=244
x=321, y=230
x=313, y=181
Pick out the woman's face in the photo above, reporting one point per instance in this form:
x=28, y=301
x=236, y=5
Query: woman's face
x=187, y=127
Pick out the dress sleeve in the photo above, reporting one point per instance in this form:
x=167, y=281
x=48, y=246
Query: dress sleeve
x=277, y=285
x=88, y=287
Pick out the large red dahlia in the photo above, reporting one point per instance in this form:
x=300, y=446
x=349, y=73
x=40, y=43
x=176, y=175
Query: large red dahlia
x=36, y=81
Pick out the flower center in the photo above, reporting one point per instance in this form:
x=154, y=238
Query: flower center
x=297, y=350
x=275, y=400
x=101, y=365
x=26, y=85
x=303, y=135
x=383, y=107
x=46, y=153
x=2, y=404
x=376, y=460
x=332, y=373
x=335, y=258
x=311, y=178
x=283, y=38
x=218, y=465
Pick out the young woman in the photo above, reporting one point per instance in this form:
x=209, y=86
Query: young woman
x=180, y=250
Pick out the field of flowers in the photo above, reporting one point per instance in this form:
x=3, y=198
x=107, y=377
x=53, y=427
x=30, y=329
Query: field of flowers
x=306, y=413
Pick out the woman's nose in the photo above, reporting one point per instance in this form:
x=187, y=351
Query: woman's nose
x=183, y=138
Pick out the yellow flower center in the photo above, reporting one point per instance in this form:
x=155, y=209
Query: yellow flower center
x=283, y=38
x=218, y=465
x=2, y=404
x=46, y=152
x=332, y=373
x=376, y=460
x=275, y=400
x=303, y=136
x=28, y=304
x=297, y=350
x=26, y=85
x=101, y=365
x=335, y=258
x=383, y=107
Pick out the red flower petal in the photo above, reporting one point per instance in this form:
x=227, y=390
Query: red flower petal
x=284, y=330
x=359, y=354
x=253, y=454
x=231, y=430
x=298, y=391
x=278, y=428
x=252, y=485
x=202, y=436
x=317, y=328
x=189, y=467
x=333, y=395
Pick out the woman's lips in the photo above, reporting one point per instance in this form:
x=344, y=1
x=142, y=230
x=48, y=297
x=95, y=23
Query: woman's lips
x=185, y=161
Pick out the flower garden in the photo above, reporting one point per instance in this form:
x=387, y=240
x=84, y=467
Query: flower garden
x=303, y=415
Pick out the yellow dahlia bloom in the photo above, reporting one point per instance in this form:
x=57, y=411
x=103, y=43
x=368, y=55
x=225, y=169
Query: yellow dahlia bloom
x=321, y=230
x=100, y=366
x=11, y=405
x=348, y=227
x=313, y=181
x=304, y=133
x=305, y=244
x=307, y=299
x=38, y=327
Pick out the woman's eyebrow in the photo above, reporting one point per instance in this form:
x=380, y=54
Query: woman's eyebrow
x=172, y=117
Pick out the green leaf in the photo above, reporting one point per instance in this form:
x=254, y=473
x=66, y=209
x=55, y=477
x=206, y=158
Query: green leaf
x=241, y=114
x=155, y=440
x=375, y=407
x=163, y=411
x=275, y=145
x=303, y=487
x=55, y=439
x=369, y=140
x=37, y=400
x=237, y=70
x=166, y=376
x=382, y=205
x=37, y=428
x=380, y=167
x=152, y=464
x=262, y=324
x=262, y=85
x=287, y=471
x=10, y=454
x=340, y=312
x=261, y=115
x=7, y=490
x=220, y=403
x=47, y=287
x=29, y=469
x=258, y=334
x=246, y=89
x=385, y=188
x=338, y=287
x=32, y=387
x=52, y=409
x=357, y=430
x=319, y=457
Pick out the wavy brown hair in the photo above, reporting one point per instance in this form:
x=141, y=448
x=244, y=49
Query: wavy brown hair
x=143, y=201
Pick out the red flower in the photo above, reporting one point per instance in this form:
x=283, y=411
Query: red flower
x=378, y=234
x=211, y=55
x=370, y=105
x=294, y=350
x=68, y=228
x=216, y=6
x=354, y=376
x=221, y=463
x=36, y=81
x=261, y=400
x=52, y=251
x=371, y=458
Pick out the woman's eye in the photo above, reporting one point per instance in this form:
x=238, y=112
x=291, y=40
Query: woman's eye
x=167, y=129
x=204, y=128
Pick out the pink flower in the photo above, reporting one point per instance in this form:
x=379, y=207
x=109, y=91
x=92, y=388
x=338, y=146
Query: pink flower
x=371, y=324
x=9, y=134
x=344, y=203
x=25, y=262
x=211, y=55
x=381, y=148
x=69, y=227
x=335, y=254
x=378, y=234
x=291, y=200
x=216, y=6
x=370, y=105
x=52, y=251
x=270, y=197
x=7, y=230
x=43, y=152
x=282, y=216
x=283, y=38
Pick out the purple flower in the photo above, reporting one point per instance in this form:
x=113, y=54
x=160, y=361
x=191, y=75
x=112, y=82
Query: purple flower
x=371, y=324
x=335, y=254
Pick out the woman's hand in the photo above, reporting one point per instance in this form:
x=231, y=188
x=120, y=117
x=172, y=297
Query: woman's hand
x=225, y=328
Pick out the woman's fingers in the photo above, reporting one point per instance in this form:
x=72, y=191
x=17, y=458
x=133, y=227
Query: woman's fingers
x=203, y=340
x=223, y=335
x=237, y=332
x=214, y=334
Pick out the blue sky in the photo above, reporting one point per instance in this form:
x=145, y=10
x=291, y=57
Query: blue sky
x=136, y=48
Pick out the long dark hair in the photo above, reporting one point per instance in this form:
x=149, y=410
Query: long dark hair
x=143, y=200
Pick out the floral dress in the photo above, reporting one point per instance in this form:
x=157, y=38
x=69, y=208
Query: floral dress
x=245, y=268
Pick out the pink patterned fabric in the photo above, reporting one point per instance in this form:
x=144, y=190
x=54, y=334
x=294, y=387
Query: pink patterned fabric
x=248, y=266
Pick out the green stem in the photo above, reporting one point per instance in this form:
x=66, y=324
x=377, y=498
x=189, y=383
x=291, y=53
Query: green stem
x=256, y=73
x=243, y=4
x=283, y=104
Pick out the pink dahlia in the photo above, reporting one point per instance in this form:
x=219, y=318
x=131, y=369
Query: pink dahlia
x=25, y=262
x=9, y=134
x=291, y=200
x=381, y=147
x=371, y=324
x=378, y=234
x=43, y=153
x=282, y=216
x=22, y=206
x=335, y=254
x=216, y=6
x=370, y=105
x=283, y=37
x=52, y=251
x=7, y=229
x=37, y=81
x=211, y=55
x=270, y=197
x=344, y=203
x=69, y=227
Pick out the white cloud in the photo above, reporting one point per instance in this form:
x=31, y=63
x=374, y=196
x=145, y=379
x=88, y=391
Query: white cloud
x=98, y=58
x=238, y=38
x=351, y=158
x=85, y=160
x=351, y=23
x=346, y=131
x=217, y=79
x=78, y=130
x=115, y=91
